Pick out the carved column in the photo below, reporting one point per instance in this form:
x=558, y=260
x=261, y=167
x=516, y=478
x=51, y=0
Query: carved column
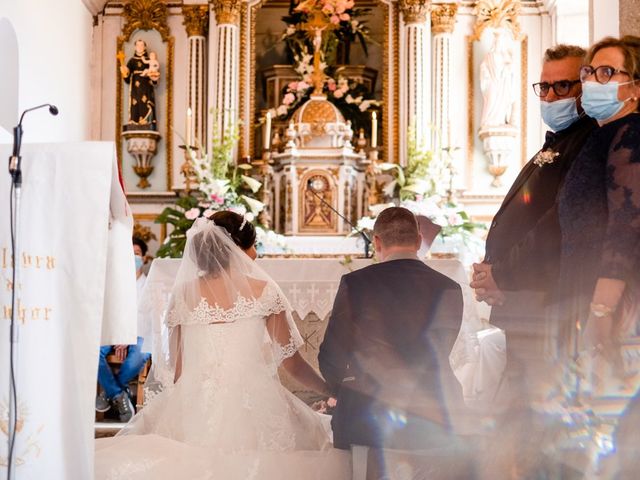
x=414, y=68
x=196, y=22
x=443, y=18
x=226, y=61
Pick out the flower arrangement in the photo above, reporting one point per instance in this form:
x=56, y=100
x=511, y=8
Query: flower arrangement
x=351, y=97
x=342, y=16
x=222, y=186
x=420, y=187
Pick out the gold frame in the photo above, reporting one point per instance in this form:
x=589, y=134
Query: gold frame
x=524, y=45
x=248, y=15
x=151, y=217
x=155, y=20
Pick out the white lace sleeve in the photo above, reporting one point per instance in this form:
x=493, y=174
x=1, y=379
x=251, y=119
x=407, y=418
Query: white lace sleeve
x=284, y=337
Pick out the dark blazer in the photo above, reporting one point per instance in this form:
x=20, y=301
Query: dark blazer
x=385, y=353
x=523, y=243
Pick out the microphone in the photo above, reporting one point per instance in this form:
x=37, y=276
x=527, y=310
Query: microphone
x=365, y=237
x=14, y=159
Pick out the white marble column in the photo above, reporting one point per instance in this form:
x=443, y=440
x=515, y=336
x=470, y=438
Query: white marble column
x=443, y=17
x=223, y=84
x=196, y=22
x=414, y=77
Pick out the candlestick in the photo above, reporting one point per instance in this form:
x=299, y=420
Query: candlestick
x=374, y=130
x=267, y=133
x=188, y=127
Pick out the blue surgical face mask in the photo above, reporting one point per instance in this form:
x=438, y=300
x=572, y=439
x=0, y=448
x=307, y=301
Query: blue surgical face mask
x=601, y=101
x=560, y=114
x=139, y=262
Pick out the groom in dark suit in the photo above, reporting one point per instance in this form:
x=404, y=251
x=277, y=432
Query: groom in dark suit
x=385, y=351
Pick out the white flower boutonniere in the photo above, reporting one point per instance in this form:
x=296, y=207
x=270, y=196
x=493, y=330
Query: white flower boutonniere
x=545, y=157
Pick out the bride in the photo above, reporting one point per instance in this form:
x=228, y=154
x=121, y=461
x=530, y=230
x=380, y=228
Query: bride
x=223, y=413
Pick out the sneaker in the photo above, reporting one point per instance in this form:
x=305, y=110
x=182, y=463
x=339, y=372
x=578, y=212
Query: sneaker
x=124, y=407
x=102, y=404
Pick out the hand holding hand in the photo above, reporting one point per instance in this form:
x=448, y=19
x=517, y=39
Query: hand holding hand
x=121, y=352
x=485, y=286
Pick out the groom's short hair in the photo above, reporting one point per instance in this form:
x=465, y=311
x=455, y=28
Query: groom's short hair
x=396, y=226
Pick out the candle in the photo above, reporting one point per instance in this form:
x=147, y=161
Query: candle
x=267, y=131
x=374, y=130
x=189, y=115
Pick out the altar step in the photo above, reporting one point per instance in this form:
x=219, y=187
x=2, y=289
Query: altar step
x=107, y=429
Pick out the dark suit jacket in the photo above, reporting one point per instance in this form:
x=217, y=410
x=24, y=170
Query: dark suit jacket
x=385, y=352
x=523, y=244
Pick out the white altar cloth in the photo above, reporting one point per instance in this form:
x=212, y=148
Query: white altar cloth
x=310, y=285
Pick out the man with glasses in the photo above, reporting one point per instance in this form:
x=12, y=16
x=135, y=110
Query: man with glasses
x=523, y=247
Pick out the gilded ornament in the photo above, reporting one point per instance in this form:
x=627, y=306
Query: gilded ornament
x=443, y=17
x=227, y=11
x=195, y=20
x=143, y=233
x=415, y=11
x=146, y=15
x=497, y=14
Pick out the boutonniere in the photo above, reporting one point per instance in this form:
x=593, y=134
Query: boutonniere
x=545, y=157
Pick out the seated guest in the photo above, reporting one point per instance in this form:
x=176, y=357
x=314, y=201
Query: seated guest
x=385, y=351
x=115, y=386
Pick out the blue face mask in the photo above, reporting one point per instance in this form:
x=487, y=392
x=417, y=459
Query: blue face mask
x=560, y=114
x=601, y=101
x=139, y=262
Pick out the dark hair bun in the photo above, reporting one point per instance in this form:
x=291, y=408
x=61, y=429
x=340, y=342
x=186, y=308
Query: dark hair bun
x=242, y=235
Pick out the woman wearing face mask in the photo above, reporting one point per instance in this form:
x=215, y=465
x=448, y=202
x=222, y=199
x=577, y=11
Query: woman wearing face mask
x=599, y=211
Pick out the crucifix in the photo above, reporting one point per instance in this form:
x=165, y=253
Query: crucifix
x=315, y=27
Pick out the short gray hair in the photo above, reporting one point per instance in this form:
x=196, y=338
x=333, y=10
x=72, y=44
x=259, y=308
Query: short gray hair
x=397, y=226
x=562, y=51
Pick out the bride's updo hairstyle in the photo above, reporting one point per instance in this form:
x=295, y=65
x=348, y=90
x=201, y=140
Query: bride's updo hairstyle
x=211, y=256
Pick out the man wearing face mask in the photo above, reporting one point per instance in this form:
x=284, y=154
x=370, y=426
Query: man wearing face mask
x=115, y=390
x=523, y=244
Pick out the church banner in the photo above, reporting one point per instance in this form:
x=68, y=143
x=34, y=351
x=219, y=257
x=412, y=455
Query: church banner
x=76, y=286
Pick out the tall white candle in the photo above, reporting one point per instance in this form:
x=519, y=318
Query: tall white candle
x=188, y=127
x=374, y=130
x=267, y=131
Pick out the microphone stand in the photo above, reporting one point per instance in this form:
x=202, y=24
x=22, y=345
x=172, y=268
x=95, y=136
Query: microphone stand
x=15, y=170
x=367, y=240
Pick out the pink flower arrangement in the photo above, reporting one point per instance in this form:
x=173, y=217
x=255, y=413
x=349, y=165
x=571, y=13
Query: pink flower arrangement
x=288, y=99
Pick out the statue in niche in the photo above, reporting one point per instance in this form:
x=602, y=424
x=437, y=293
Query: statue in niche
x=497, y=82
x=142, y=72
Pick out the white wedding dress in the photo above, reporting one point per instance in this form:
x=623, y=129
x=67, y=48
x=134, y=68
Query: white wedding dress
x=227, y=416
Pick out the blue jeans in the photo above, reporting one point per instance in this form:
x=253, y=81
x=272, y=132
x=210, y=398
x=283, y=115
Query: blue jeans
x=115, y=384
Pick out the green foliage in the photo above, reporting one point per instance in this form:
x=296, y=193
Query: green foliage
x=176, y=240
x=222, y=186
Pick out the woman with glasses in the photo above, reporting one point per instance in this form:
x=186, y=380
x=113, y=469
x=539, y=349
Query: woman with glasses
x=599, y=212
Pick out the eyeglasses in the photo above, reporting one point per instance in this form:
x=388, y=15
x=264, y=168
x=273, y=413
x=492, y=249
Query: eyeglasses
x=560, y=88
x=603, y=73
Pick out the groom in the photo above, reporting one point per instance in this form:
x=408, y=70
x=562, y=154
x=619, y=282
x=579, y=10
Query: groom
x=385, y=352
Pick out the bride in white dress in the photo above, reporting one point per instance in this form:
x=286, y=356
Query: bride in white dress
x=223, y=412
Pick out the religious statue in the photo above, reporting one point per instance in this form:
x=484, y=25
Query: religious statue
x=497, y=77
x=142, y=72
